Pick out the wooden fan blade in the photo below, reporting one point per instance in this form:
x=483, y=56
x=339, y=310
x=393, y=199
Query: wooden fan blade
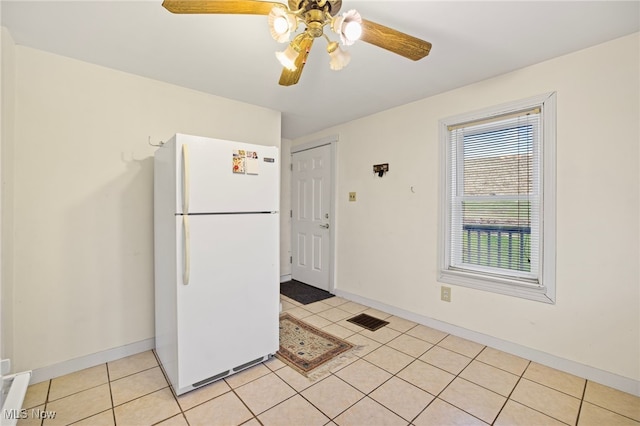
x=288, y=77
x=394, y=41
x=245, y=7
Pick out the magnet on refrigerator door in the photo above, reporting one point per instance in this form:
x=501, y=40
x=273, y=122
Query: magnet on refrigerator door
x=252, y=164
x=239, y=161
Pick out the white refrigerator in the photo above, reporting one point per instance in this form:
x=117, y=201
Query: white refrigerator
x=216, y=242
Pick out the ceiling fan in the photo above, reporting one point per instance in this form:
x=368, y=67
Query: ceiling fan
x=314, y=16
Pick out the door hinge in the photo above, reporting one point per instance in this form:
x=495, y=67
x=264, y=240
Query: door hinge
x=291, y=166
x=290, y=259
x=290, y=213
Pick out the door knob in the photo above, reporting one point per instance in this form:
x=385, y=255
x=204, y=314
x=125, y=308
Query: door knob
x=325, y=226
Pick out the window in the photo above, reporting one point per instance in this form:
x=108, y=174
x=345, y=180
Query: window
x=497, y=221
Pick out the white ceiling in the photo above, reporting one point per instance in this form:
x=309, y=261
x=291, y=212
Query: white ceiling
x=233, y=55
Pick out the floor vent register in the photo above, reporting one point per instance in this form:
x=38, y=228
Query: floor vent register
x=368, y=322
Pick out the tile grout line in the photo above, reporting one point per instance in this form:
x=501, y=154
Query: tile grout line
x=507, y=398
x=254, y=415
x=456, y=376
x=298, y=393
x=352, y=333
x=367, y=395
x=520, y=377
x=436, y=397
x=555, y=390
x=331, y=419
x=113, y=408
x=385, y=344
x=584, y=391
x=84, y=390
x=324, y=378
x=175, y=397
x=475, y=358
x=611, y=411
x=512, y=390
x=46, y=400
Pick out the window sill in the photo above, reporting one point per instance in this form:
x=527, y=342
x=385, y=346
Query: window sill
x=509, y=287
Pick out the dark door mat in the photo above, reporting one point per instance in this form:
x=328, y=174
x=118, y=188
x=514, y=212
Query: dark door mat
x=368, y=322
x=303, y=293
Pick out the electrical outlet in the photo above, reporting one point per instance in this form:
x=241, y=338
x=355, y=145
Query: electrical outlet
x=352, y=196
x=445, y=293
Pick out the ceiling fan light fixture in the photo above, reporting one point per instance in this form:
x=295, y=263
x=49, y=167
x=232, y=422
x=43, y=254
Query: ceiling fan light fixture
x=338, y=57
x=313, y=16
x=348, y=26
x=288, y=57
x=352, y=30
x=281, y=24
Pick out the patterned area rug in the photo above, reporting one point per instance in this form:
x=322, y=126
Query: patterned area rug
x=308, y=350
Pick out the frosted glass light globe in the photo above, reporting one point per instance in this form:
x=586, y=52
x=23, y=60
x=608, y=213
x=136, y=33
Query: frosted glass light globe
x=280, y=25
x=352, y=30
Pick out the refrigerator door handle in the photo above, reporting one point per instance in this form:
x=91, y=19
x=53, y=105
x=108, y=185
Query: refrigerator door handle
x=185, y=179
x=187, y=250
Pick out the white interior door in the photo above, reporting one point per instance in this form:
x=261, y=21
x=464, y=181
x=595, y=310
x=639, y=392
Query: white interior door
x=311, y=221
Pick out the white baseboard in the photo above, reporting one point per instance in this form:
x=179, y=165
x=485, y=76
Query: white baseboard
x=77, y=364
x=606, y=378
x=285, y=278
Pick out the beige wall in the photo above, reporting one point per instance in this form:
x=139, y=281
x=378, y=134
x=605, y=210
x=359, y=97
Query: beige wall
x=77, y=259
x=82, y=251
x=285, y=207
x=387, y=240
x=7, y=90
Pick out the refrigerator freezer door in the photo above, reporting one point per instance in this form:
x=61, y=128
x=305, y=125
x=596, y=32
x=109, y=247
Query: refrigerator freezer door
x=228, y=313
x=217, y=176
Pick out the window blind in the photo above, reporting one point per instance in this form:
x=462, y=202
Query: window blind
x=495, y=195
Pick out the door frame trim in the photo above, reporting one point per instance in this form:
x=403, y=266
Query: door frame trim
x=331, y=140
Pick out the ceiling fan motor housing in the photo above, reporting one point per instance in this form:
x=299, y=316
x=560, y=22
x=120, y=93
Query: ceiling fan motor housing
x=332, y=6
x=315, y=21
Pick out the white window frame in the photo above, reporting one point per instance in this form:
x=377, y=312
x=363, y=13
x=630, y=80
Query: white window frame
x=544, y=288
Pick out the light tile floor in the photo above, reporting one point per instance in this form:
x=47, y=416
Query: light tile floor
x=403, y=374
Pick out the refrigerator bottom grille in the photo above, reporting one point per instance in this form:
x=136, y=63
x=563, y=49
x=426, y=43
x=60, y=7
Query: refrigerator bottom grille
x=211, y=379
x=229, y=372
x=249, y=364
